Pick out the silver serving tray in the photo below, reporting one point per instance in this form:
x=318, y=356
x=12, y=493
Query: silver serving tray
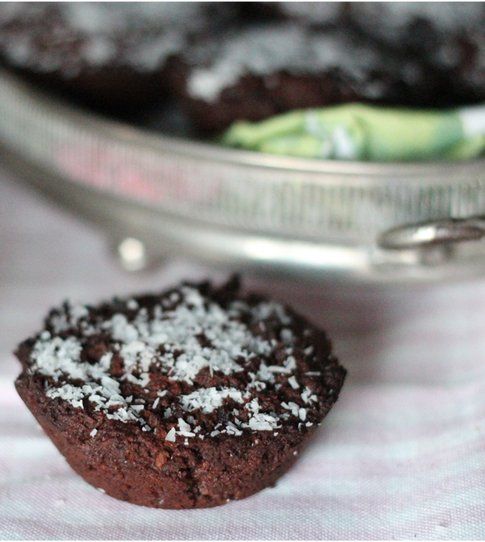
x=158, y=196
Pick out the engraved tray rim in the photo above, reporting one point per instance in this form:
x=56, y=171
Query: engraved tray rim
x=347, y=177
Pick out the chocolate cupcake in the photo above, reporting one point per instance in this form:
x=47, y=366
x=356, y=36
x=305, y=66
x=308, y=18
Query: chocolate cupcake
x=266, y=69
x=109, y=54
x=186, y=399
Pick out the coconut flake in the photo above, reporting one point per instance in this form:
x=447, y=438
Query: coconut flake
x=308, y=396
x=293, y=382
x=209, y=399
x=171, y=435
x=262, y=422
x=184, y=429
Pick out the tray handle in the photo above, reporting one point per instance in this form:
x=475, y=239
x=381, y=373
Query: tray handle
x=433, y=233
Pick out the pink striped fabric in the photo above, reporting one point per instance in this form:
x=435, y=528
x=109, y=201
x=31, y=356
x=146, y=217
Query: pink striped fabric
x=402, y=455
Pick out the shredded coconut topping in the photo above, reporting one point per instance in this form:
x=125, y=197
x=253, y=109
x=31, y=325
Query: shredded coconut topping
x=268, y=49
x=141, y=35
x=395, y=18
x=444, y=29
x=209, y=399
x=176, y=339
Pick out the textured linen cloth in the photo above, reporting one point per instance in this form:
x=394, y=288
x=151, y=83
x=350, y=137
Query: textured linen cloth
x=401, y=455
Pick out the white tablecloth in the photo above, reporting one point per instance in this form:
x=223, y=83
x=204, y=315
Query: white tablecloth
x=402, y=455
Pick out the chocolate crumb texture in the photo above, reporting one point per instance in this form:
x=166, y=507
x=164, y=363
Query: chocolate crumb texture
x=185, y=399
